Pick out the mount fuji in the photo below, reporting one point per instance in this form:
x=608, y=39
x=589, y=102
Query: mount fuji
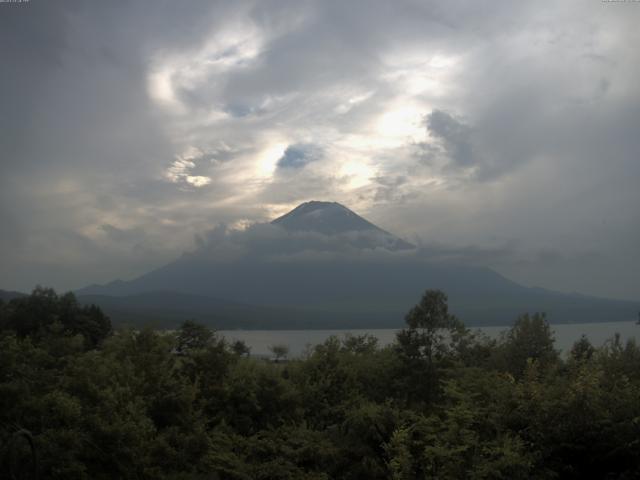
x=323, y=266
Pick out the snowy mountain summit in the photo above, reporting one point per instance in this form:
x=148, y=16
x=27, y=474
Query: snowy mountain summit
x=329, y=218
x=332, y=218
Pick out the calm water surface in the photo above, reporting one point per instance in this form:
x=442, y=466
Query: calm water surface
x=299, y=340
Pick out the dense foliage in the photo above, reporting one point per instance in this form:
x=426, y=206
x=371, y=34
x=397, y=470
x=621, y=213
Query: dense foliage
x=441, y=402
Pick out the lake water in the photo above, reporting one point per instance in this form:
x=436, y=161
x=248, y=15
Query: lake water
x=298, y=340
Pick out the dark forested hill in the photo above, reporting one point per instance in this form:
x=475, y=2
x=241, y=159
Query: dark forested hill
x=6, y=295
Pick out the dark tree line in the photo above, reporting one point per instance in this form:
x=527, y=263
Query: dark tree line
x=44, y=314
x=441, y=402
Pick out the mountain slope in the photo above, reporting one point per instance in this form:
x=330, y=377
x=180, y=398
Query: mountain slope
x=163, y=309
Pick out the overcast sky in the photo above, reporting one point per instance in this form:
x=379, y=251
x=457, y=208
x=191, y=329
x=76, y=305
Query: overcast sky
x=505, y=132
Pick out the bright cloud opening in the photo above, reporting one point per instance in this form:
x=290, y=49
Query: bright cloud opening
x=401, y=123
x=268, y=159
x=359, y=173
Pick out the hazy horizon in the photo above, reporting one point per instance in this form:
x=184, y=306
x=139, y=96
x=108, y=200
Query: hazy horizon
x=504, y=133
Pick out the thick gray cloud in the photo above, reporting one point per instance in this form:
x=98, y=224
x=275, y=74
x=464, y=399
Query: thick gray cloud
x=455, y=137
x=502, y=133
x=297, y=156
x=270, y=243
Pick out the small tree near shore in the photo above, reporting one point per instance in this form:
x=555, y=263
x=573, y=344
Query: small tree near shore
x=279, y=351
